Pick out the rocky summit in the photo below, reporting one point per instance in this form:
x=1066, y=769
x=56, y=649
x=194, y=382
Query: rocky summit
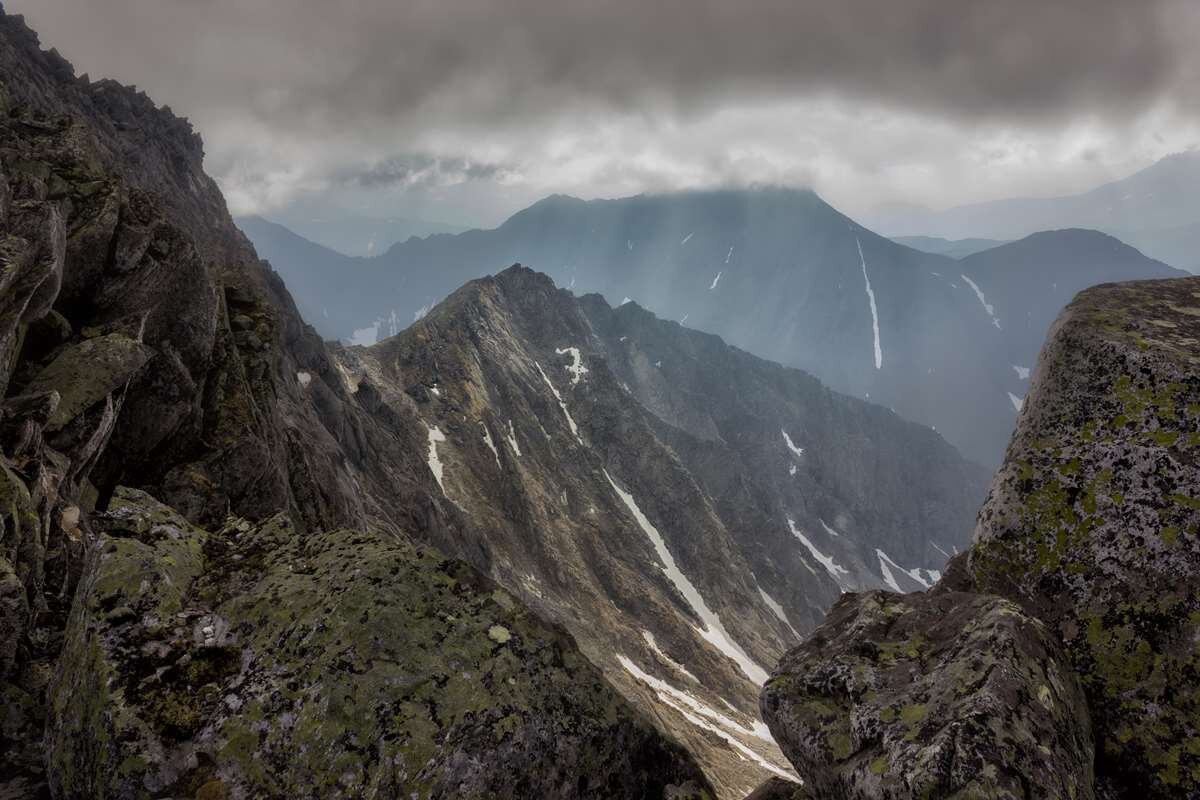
x=1058, y=657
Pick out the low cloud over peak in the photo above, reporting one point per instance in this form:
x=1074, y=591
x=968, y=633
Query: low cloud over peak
x=302, y=92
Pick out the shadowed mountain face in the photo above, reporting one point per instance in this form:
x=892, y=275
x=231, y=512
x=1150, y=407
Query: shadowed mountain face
x=685, y=509
x=1029, y=281
x=777, y=272
x=1153, y=210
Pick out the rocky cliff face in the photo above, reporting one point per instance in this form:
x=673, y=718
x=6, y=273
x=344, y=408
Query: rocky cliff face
x=1089, y=535
x=192, y=600
x=686, y=510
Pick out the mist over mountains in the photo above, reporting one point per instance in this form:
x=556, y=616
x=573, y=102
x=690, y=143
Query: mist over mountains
x=777, y=272
x=1153, y=210
x=694, y=494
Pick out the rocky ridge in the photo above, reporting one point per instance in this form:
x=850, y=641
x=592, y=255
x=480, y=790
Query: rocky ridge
x=697, y=509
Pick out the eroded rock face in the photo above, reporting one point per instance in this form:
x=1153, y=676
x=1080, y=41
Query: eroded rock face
x=251, y=662
x=938, y=694
x=1093, y=523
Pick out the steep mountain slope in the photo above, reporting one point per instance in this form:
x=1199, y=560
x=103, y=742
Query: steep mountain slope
x=1153, y=209
x=777, y=272
x=185, y=609
x=683, y=508
x=1029, y=281
x=1086, y=560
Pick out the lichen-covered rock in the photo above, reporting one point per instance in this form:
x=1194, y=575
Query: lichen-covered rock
x=254, y=662
x=939, y=694
x=1093, y=522
x=85, y=373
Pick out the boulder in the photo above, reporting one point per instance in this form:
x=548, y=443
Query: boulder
x=938, y=694
x=1093, y=522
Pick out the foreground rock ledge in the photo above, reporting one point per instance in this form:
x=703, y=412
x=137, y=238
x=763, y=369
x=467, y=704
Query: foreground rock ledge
x=252, y=662
x=931, y=695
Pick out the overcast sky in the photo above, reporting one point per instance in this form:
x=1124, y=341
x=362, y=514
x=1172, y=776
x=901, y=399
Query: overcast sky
x=466, y=110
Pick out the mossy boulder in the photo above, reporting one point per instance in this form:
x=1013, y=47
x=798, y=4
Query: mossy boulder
x=1093, y=522
x=257, y=662
x=931, y=695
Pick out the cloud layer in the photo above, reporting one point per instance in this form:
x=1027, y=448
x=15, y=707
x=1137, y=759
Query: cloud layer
x=297, y=95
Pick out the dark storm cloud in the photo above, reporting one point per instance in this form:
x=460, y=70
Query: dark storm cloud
x=418, y=171
x=316, y=62
x=934, y=101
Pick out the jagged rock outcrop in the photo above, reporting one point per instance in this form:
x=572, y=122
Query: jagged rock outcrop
x=194, y=600
x=1092, y=529
x=696, y=509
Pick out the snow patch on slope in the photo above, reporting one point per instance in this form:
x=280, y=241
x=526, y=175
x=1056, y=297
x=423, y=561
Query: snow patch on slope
x=435, y=463
x=776, y=609
x=874, y=310
x=576, y=368
x=796, y=451
x=886, y=563
x=487, y=439
x=512, y=439
x=713, y=631
x=561, y=404
x=988, y=307
x=834, y=569
x=705, y=717
x=666, y=659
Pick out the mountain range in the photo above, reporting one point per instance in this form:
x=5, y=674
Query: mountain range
x=1153, y=210
x=535, y=544
x=777, y=272
x=345, y=233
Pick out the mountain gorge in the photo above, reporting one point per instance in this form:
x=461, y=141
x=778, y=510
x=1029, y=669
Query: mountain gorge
x=777, y=272
x=534, y=545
